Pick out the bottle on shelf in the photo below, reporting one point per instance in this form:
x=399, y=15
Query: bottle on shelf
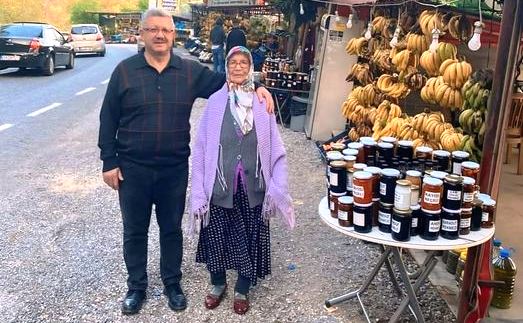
x=504, y=270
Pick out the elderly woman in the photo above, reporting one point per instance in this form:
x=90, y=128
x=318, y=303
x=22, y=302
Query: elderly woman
x=239, y=180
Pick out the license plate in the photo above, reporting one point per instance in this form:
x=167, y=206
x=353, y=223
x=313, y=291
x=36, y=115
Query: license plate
x=86, y=49
x=9, y=58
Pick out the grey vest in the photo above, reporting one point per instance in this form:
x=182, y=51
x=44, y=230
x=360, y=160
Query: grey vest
x=233, y=149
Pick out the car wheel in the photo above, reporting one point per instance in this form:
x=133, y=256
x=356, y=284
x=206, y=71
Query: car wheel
x=49, y=66
x=71, y=62
x=102, y=53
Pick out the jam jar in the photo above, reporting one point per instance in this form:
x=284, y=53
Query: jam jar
x=477, y=214
x=401, y=224
x=450, y=223
x=369, y=149
x=442, y=160
x=470, y=169
x=375, y=171
x=338, y=177
x=464, y=221
x=390, y=140
x=345, y=204
x=350, y=152
x=416, y=222
x=488, y=213
x=349, y=161
x=458, y=157
x=360, y=158
x=402, y=195
x=469, y=192
x=414, y=177
x=452, y=192
x=438, y=174
x=333, y=203
x=375, y=211
x=362, y=217
x=350, y=176
x=337, y=146
x=424, y=152
x=431, y=194
x=384, y=217
x=431, y=223
x=359, y=166
x=362, y=187
x=405, y=149
x=385, y=150
x=388, y=179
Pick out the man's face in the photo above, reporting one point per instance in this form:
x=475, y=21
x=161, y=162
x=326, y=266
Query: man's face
x=158, y=35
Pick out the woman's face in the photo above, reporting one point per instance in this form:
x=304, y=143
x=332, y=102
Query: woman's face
x=238, y=68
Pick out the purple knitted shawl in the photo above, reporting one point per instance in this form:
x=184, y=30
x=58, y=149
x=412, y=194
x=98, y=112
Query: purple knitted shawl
x=277, y=200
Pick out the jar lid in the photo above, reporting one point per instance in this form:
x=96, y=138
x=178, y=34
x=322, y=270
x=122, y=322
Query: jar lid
x=346, y=200
x=391, y=172
x=432, y=181
x=489, y=202
x=441, y=153
x=483, y=197
x=403, y=182
x=451, y=211
x=468, y=180
x=413, y=173
x=386, y=205
x=470, y=164
x=349, y=158
x=367, y=139
x=414, y=188
x=334, y=155
x=402, y=212
x=373, y=170
x=386, y=145
x=338, y=146
x=338, y=194
x=350, y=152
x=362, y=205
x=430, y=211
x=453, y=179
x=408, y=143
x=362, y=175
x=415, y=207
x=460, y=154
x=338, y=163
x=438, y=174
x=355, y=145
x=388, y=139
x=360, y=166
x=424, y=149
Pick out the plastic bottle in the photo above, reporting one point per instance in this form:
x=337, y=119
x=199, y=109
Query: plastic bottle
x=496, y=248
x=504, y=270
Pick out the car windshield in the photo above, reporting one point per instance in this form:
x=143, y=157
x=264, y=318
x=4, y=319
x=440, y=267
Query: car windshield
x=84, y=30
x=20, y=31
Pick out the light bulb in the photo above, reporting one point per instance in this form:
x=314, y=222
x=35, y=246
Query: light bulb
x=349, y=22
x=394, y=41
x=337, y=19
x=435, y=40
x=302, y=12
x=475, y=42
x=368, y=33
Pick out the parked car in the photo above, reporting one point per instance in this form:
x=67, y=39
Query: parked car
x=87, y=38
x=34, y=45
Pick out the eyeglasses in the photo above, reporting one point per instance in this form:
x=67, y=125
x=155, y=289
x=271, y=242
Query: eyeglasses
x=156, y=30
x=242, y=64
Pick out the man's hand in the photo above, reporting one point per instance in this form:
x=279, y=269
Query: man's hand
x=264, y=94
x=113, y=177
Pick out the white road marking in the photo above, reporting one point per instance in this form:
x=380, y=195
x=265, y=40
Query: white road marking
x=45, y=109
x=89, y=89
x=105, y=82
x=6, y=126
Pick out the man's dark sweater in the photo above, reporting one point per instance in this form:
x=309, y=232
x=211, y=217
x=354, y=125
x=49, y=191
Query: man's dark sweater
x=145, y=114
x=217, y=35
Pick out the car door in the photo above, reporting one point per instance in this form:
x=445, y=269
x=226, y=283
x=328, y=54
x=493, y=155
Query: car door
x=61, y=48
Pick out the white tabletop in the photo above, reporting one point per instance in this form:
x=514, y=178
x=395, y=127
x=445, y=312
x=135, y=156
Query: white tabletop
x=474, y=238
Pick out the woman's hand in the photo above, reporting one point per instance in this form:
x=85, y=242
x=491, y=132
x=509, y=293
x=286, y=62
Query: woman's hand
x=263, y=94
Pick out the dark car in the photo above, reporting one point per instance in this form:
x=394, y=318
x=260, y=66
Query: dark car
x=34, y=45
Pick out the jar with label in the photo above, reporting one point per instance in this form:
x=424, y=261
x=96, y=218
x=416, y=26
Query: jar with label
x=375, y=171
x=401, y=224
x=345, y=211
x=416, y=223
x=349, y=161
x=402, y=195
x=384, y=217
x=470, y=169
x=362, y=217
x=385, y=150
x=414, y=177
x=360, y=158
x=458, y=157
x=369, y=148
x=414, y=195
x=337, y=146
x=424, y=152
x=452, y=192
x=450, y=224
x=469, y=190
x=431, y=194
x=350, y=152
x=333, y=203
x=431, y=223
x=375, y=211
x=464, y=221
x=362, y=187
x=388, y=179
x=488, y=216
x=477, y=215
x=350, y=175
x=332, y=156
x=338, y=177
x=405, y=149
x=442, y=160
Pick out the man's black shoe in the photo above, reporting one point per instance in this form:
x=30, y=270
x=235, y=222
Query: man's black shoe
x=177, y=300
x=133, y=302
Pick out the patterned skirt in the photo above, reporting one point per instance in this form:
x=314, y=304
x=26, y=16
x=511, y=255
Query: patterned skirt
x=237, y=239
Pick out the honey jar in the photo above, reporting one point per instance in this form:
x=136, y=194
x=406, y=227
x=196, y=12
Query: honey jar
x=432, y=190
x=470, y=169
x=362, y=187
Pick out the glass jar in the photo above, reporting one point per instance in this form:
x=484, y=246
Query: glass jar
x=390, y=140
x=458, y=157
x=416, y=223
x=362, y=217
x=470, y=169
x=333, y=203
x=337, y=146
x=488, y=214
x=350, y=177
x=405, y=149
x=384, y=217
x=477, y=215
x=438, y=174
x=450, y=224
x=442, y=160
x=360, y=158
x=469, y=190
x=338, y=177
x=464, y=221
x=375, y=211
x=414, y=177
x=431, y=223
x=375, y=171
x=402, y=195
x=359, y=166
x=452, y=192
x=385, y=150
x=369, y=149
x=424, y=152
x=414, y=195
x=331, y=156
x=401, y=225
x=349, y=161
x=388, y=179
x=362, y=187
x=345, y=204
x=431, y=194
x=350, y=152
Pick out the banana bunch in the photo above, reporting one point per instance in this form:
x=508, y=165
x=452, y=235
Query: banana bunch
x=357, y=46
x=446, y=51
x=360, y=72
x=455, y=73
x=405, y=58
x=417, y=43
x=431, y=61
x=469, y=144
x=387, y=129
x=428, y=92
x=472, y=121
x=381, y=58
x=430, y=124
x=353, y=135
x=365, y=95
x=407, y=132
x=389, y=85
x=389, y=29
x=420, y=142
x=387, y=111
x=429, y=20
x=364, y=130
x=476, y=90
x=379, y=23
x=451, y=140
x=448, y=97
x=460, y=28
x=349, y=106
x=415, y=81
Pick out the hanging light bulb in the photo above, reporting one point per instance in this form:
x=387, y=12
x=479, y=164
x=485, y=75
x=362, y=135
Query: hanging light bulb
x=394, y=41
x=337, y=19
x=368, y=33
x=435, y=40
x=302, y=12
x=349, y=22
x=475, y=42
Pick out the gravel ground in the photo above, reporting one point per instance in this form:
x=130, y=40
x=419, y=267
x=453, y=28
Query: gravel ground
x=61, y=249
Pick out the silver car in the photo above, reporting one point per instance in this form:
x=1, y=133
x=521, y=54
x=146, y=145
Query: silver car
x=87, y=38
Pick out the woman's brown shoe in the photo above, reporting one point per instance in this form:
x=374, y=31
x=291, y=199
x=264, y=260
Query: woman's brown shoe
x=241, y=303
x=214, y=298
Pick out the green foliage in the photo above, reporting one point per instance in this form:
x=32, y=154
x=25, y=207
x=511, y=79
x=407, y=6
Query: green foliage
x=143, y=5
x=289, y=7
x=79, y=12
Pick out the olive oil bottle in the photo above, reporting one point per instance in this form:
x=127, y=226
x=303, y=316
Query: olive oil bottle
x=504, y=270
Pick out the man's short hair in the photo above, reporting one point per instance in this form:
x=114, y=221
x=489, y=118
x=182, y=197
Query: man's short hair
x=155, y=12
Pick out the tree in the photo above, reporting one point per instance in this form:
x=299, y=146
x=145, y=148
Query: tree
x=79, y=12
x=143, y=5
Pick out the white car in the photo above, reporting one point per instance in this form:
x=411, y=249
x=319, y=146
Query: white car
x=87, y=38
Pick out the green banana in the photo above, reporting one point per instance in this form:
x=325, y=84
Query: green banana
x=481, y=134
x=463, y=119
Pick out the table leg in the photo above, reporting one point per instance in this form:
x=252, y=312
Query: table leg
x=391, y=274
x=430, y=255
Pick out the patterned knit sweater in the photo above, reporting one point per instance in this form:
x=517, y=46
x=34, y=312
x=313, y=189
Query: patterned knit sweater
x=272, y=154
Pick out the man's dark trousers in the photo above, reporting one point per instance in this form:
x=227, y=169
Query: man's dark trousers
x=143, y=186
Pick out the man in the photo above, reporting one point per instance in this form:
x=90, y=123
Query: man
x=217, y=40
x=235, y=37
x=144, y=141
